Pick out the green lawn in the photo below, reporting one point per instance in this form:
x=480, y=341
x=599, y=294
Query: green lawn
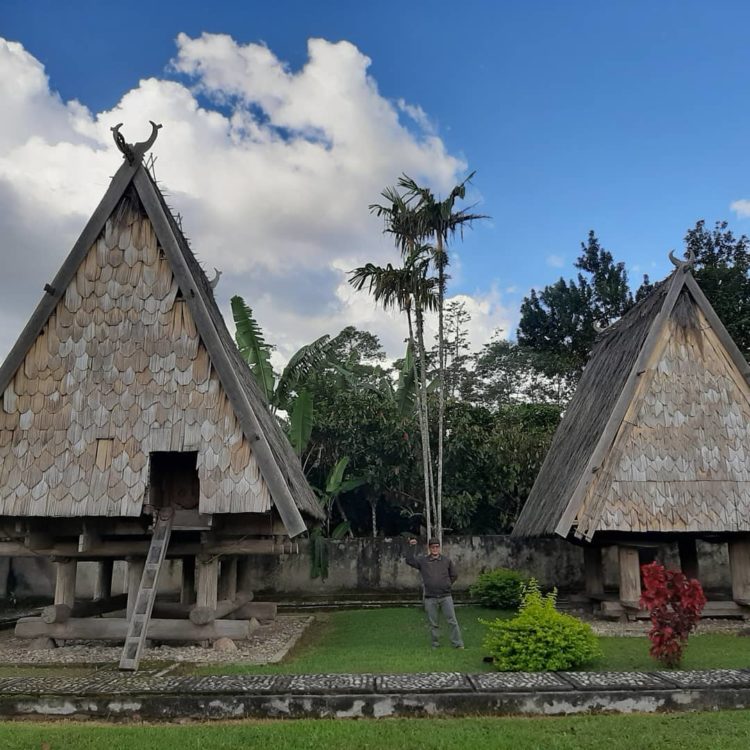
x=396, y=640
x=720, y=731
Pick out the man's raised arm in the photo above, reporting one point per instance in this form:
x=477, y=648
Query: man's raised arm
x=411, y=558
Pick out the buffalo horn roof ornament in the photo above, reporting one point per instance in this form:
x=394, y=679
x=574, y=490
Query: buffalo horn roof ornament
x=213, y=283
x=135, y=151
x=685, y=265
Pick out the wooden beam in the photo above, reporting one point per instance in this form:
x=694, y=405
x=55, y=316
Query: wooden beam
x=206, y=581
x=57, y=613
x=228, y=579
x=135, y=572
x=121, y=549
x=63, y=612
x=258, y=610
x=252, y=524
x=205, y=615
x=630, y=576
x=65, y=582
x=89, y=538
x=187, y=588
x=115, y=629
x=38, y=540
x=688, y=550
x=103, y=580
x=739, y=565
x=593, y=570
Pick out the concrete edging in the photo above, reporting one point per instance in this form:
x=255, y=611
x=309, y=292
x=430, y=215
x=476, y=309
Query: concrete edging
x=117, y=697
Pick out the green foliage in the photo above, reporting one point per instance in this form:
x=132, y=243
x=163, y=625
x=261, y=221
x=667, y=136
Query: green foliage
x=253, y=348
x=303, y=363
x=722, y=269
x=318, y=554
x=539, y=638
x=560, y=320
x=501, y=588
x=301, y=422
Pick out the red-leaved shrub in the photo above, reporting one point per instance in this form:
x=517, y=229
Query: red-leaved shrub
x=675, y=604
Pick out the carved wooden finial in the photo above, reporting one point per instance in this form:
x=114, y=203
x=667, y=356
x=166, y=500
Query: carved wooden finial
x=685, y=265
x=134, y=152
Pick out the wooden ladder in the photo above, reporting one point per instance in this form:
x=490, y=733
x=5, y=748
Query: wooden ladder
x=144, y=602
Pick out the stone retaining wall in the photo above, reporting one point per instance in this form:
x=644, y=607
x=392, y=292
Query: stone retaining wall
x=370, y=566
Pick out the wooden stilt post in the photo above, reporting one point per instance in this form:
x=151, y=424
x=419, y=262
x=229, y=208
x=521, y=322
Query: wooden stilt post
x=688, y=557
x=206, y=581
x=228, y=579
x=739, y=564
x=135, y=572
x=103, y=581
x=244, y=574
x=593, y=571
x=630, y=576
x=187, y=591
x=65, y=581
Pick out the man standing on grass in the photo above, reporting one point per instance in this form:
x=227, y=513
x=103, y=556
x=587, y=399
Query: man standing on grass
x=438, y=575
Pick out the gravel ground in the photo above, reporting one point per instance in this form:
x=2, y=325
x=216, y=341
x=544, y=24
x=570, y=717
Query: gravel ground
x=641, y=627
x=266, y=645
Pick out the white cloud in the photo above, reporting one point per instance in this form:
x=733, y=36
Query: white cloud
x=556, y=261
x=271, y=169
x=741, y=208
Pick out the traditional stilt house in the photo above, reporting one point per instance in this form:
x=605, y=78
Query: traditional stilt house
x=131, y=429
x=654, y=447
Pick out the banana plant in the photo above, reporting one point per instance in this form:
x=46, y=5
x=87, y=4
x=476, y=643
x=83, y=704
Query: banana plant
x=288, y=392
x=320, y=536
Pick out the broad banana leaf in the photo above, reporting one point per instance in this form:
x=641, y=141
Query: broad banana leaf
x=333, y=484
x=406, y=388
x=304, y=362
x=301, y=422
x=253, y=348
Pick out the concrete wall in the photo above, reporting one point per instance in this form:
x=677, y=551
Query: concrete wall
x=370, y=566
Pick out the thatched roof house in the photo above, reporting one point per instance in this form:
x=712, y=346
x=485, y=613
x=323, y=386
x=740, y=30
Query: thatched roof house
x=653, y=444
x=128, y=355
x=125, y=391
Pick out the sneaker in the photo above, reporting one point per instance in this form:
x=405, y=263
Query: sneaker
x=436, y=645
x=459, y=648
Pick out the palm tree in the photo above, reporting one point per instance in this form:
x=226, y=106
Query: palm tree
x=410, y=290
x=437, y=221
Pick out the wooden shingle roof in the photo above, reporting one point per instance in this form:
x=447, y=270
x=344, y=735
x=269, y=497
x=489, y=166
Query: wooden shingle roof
x=264, y=444
x=654, y=437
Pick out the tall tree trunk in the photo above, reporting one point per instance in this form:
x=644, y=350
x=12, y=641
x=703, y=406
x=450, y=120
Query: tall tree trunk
x=424, y=420
x=441, y=385
x=373, y=509
x=425, y=452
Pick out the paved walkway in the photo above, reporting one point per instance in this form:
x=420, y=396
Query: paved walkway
x=152, y=695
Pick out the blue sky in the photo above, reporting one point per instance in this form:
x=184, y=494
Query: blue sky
x=627, y=118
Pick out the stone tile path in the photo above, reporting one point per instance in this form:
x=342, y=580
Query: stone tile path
x=109, y=694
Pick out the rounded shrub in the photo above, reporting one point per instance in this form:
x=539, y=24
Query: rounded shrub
x=500, y=588
x=539, y=638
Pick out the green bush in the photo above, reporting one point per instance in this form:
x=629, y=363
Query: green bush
x=539, y=638
x=500, y=588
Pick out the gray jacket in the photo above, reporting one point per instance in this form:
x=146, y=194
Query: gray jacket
x=438, y=574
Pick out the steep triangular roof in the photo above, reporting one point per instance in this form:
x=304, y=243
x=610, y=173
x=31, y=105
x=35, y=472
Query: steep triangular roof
x=585, y=486
x=275, y=459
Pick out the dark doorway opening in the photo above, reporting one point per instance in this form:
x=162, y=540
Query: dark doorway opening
x=174, y=480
